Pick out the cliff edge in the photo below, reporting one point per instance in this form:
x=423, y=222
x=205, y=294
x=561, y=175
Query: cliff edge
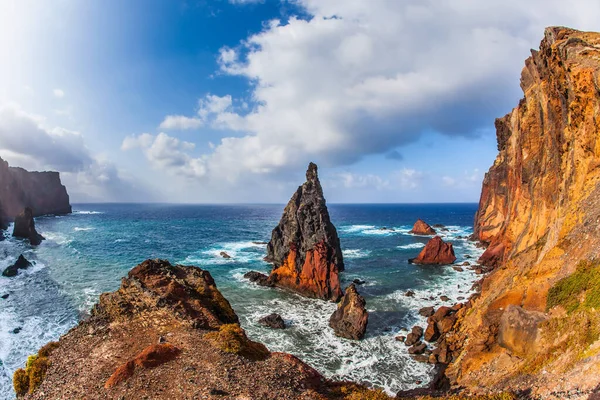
x=535, y=325
x=43, y=192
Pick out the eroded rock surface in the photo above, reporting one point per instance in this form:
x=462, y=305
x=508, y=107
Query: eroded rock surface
x=25, y=227
x=350, y=319
x=304, y=247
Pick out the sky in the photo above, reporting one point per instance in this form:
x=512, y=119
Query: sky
x=229, y=100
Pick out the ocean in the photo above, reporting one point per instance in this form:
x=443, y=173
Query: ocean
x=88, y=252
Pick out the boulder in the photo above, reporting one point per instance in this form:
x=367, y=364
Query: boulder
x=414, y=336
x=422, y=228
x=436, y=252
x=426, y=311
x=258, y=278
x=519, y=330
x=225, y=255
x=359, y=282
x=272, y=321
x=350, y=318
x=417, y=348
x=25, y=227
x=432, y=333
x=305, y=248
x=13, y=270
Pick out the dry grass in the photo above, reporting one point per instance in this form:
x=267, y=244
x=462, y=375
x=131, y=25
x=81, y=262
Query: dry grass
x=29, y=379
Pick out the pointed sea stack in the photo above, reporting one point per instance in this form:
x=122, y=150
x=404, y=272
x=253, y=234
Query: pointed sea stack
x=422, y=228
x=25, y=227
x=304, y=247
x=436, y=252
x=350, y=318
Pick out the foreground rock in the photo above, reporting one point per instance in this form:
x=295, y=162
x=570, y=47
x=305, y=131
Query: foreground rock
x=350, y=319
x=538, y=214
x=422, y=228
x=25, y=227
x=168, y=333
x=258, y=278
x=436, y=251
x=41, y=191
x=13, y=270
x=304, y=247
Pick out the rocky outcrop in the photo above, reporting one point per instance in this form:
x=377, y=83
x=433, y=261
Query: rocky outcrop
x=168, y=333
x=258, y=278
x=350, y=319
x=13, y=270
x=25, y=227
x=538, y=213
x=422, y=228
x=304, y=247
x=43, y=192
x=435, y=252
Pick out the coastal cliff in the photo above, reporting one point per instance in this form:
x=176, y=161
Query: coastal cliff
x=304, y=247
x=43, y=192
x=535, y=324
x=168, y=333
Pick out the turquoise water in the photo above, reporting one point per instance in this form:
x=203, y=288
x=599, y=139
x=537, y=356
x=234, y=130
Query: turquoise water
x=88, y=252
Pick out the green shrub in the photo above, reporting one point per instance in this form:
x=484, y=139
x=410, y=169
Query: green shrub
x=580, y=290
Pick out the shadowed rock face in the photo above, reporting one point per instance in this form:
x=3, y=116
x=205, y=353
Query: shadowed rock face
x=350, y=319
x=422, y=228
x=25, y=227
x=435, y=252
x=304, y=247
x=41, y=191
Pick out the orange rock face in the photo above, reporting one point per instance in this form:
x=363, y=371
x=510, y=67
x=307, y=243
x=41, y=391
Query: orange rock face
x=317, y=277
x=422, y=228
x=304, y=247
x=539, y=213
x=436, y=251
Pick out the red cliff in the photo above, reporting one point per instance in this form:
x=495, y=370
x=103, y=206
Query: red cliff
x=534, y=326
x=304, y=247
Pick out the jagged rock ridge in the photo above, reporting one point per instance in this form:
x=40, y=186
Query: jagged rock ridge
x=539, y=212
x=304, y=247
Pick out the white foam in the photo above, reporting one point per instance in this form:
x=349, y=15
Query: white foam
x=412, y=246
x=356, y=228
x=78, y=229
x=87, y=212
x=355, y=253
x=239, y=252
x=58, y=238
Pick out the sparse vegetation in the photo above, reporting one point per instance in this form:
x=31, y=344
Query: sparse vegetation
x=29, y=379
x=578, y=291
x=231, y=338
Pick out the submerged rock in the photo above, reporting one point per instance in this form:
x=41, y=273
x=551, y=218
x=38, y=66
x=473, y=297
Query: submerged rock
x=13, y=270
x=304, y=247
x=436, y=252
x=272, y=321
x=25, y=227
x=350, y=318
x=359, y=282
x=225, y=255
x=422, y=228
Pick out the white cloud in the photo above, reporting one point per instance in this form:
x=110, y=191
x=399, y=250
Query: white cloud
x=361, y=78
x=180, y=122
x=27, y=141
x=168, y=153
x=58, y=93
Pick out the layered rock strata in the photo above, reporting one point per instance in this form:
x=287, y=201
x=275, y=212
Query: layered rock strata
x=538, y=213
x=305, y=248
